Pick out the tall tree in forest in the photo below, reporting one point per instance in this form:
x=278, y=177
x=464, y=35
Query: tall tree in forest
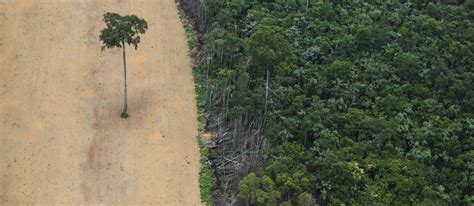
x=268, y=48
x=122, y=30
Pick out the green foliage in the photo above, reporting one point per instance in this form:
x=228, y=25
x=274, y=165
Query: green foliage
x=191, y=35
x=259, y=191
x=306, y=199
x=372, y=102
x=206, y=178
x=122, y=29
x=124, y=115
x=268, y=47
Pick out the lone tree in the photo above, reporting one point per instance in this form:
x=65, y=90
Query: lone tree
x=122, y=30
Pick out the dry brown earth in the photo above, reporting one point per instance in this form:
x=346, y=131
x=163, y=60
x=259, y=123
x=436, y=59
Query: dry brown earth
x=61, y=139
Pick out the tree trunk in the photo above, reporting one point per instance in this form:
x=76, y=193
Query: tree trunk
x=125, y=106
x=267, y=95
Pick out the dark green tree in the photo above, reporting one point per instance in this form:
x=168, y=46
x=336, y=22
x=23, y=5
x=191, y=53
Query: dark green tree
x=122, y=30
x=268, y=48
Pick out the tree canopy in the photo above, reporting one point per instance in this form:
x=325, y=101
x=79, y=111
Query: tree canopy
x=268, y=47
x=122, y=29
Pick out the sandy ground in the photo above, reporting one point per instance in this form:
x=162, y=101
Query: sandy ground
x=62, y=141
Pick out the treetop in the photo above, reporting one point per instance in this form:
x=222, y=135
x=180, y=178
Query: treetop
x=122, y=29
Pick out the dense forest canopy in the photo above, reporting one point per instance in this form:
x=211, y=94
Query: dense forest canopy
x=370, y=102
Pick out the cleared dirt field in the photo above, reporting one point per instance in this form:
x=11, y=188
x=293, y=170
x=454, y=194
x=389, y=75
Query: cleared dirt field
x=62, y=141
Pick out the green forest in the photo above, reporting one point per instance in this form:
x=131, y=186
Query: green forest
x=335, y=102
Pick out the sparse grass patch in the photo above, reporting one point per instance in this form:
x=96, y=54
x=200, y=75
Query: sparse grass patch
x=206, y=178
x=199, y=78
x=191, y=35
x=206, y=175
x=200, y=88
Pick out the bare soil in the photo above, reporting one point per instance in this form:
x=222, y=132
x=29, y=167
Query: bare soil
x=62, y=141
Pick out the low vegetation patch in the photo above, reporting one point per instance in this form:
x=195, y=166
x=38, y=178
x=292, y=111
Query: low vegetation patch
x=206, y=179
x=206, y=176
x=191, y=34
x=124, y=115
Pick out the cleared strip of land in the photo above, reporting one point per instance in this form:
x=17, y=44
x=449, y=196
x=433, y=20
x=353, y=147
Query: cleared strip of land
x=61, y=138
